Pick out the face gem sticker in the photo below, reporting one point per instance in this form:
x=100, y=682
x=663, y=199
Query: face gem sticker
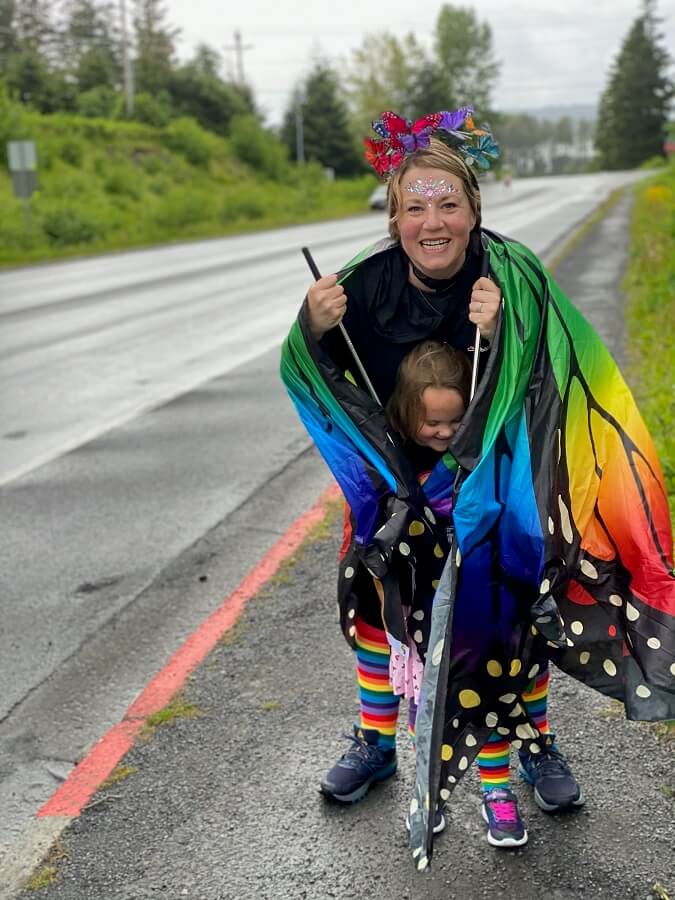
x=430, y=188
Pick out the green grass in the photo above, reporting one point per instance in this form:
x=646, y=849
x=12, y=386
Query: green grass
x=177, y=709
x=650, y=315
x=321, y=532
x=47, y=874
x=119, y=773
x=113, y=185
x=44, y=876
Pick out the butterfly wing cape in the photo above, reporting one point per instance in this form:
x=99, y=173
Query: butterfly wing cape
x=561, y=543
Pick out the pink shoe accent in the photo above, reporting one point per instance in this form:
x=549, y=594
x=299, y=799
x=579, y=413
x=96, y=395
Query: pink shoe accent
x=505, y=811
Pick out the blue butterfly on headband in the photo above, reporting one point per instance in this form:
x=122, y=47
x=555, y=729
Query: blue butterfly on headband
x=481, y=152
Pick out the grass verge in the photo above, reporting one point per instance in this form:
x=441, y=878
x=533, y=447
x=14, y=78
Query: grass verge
x=650, y=326
x=650, y=315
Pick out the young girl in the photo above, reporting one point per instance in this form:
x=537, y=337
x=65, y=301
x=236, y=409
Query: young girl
x=429, y=400
x=426, y=407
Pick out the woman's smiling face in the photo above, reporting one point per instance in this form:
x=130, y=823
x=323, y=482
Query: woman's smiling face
x=435, y=221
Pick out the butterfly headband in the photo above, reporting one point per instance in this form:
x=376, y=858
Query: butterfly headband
x=399, y=137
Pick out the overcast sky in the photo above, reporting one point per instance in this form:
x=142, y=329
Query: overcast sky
x=551, y=53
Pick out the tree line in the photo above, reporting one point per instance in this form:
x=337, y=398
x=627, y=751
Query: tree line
x=69, y=57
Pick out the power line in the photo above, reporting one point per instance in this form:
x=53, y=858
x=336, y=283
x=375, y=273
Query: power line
x=239, y=49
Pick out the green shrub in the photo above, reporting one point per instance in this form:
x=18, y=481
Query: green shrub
x=178, y=209
x=192, y=142
x=15, y=235
x=123, y=183
x=161, y=185
x=654, y=162
x=68, y=226
x=99, y=102
x=99, y=165
x=66, y=183
x=71, y=151
x=152, y=110
x=242, y=204
x=258, y=148
x=152, y=163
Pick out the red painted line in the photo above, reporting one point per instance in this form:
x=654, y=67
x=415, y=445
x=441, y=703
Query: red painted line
x=85, y=779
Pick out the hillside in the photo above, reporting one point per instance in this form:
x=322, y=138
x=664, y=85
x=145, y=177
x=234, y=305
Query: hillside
x=107, y=185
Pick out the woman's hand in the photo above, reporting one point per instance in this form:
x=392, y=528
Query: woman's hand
x=327, y=303
x=484, y=306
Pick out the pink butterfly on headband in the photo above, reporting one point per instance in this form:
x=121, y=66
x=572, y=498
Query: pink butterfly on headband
x=391, y=127
x=404, y=134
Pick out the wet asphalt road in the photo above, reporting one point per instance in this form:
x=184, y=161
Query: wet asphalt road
x=225, y=806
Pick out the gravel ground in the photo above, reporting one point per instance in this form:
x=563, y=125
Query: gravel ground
x=225, y=805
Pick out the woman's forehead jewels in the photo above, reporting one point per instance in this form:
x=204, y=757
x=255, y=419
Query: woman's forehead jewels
x=431, y=187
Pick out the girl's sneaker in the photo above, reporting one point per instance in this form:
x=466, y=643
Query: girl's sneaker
x=500, y=811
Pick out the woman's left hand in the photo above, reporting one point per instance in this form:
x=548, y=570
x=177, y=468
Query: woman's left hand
x=484, y=306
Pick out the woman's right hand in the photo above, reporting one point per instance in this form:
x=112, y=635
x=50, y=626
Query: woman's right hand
x=327, y=303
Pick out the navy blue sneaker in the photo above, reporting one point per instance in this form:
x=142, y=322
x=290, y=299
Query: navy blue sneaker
x=500, y=811
x=555, y=788
x=363, y=764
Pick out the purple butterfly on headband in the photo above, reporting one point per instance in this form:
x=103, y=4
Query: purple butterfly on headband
x=452, y=121
x=418, y=141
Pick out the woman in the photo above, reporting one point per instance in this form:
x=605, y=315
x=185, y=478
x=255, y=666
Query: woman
x=526, y=545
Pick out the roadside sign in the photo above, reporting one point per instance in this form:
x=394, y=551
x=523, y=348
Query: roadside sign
x=22, y=160
x=21, y=156
x=24, y=183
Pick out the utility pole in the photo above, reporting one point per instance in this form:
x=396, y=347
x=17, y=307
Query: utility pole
x=299, y=131
x=239, y=48
x=126, y=62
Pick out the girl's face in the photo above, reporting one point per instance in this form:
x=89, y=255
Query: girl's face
x=442, y=411
x=435, y=221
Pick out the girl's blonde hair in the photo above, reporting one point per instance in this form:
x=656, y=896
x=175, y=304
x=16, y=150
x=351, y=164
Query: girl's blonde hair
x=428, y=365
x=436, y=156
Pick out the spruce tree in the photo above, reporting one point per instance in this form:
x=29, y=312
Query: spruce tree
x=90, y=42
x=327, y=138
x=155, y=40
x=633, y=111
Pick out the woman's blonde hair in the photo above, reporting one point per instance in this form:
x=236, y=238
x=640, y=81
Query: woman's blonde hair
x=428, y=365
x=436, y=156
